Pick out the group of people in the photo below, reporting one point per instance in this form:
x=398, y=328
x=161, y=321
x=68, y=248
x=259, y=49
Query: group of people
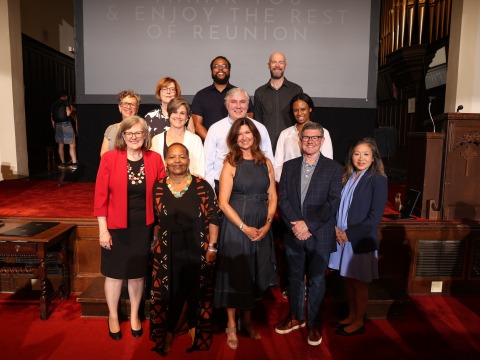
x=199, y=188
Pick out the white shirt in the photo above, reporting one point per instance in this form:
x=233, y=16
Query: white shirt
x=288, y=147
x=195, y=149
x=216, y=147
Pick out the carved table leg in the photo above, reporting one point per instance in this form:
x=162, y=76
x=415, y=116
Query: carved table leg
x=65, y=287
x=42, y=276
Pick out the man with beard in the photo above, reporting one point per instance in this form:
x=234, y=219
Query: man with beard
x=208, y=105
x=272, y=100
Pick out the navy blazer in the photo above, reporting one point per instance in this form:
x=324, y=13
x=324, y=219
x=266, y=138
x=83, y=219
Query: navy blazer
x=366, y=211
x=321, y=201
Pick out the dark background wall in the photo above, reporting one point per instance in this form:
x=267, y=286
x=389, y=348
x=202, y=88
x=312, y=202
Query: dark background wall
x=47, y=72
x=345, y=126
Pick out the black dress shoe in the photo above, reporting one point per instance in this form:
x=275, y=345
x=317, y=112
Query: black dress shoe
x=137, y=333
x=342, y=331
x=338, y=325
x=114, y=336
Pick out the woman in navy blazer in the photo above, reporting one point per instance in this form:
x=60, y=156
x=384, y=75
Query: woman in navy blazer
x=364, y=196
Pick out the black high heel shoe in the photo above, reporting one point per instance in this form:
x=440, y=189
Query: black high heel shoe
x=137, y=333
x=360, y=330
x=338, y=325
x=114, y=336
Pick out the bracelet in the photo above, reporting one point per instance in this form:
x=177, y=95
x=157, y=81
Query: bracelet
x=241, y=225
x=99, y=236
x=212, y=249
x=270, y=220
x=155, y=238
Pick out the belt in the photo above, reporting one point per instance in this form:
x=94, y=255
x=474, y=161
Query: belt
x=254, y=198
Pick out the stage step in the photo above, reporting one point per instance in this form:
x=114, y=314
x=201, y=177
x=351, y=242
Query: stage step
x=385, y=302
x=94, y=303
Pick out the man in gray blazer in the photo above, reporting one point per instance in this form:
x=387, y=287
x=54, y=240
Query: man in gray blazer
x=309, y=196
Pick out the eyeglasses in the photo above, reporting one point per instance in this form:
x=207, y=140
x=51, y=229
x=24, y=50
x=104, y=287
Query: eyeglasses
x=220, y=66
x=127, y=104
x=129, y=134
x=306, y=138
x=168, y=89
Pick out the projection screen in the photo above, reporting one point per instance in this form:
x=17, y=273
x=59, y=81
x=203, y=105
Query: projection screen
x=330, y=46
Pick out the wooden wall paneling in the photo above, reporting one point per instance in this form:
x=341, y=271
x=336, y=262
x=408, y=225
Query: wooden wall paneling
x=87, y=257
x=398, y=254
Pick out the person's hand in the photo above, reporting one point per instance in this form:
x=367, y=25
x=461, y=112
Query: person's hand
x=199, y=176
x=341, y=237
x=153, y=244
x=300, y=230
x=251, y=232
x=105, y=240
x=211, y=257
x=262, y=232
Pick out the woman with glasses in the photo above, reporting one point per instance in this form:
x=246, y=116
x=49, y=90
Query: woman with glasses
x=288, y=145
x=128, y=103
x=178, y=111
x=167, y=88
x=123, y=206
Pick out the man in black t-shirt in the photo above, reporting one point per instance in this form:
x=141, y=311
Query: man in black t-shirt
x=64, y=134
x=208, y=105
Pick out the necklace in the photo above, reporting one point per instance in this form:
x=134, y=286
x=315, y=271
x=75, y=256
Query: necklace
x=178, y=194
x=136, y=178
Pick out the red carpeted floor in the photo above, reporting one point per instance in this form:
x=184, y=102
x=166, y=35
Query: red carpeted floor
x=55, y=199
x=49, y=199
x=434, y=327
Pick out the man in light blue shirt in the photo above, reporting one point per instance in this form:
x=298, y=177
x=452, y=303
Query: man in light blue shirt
x=236, y=101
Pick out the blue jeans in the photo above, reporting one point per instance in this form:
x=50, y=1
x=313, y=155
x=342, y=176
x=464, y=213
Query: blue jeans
x=303, y=258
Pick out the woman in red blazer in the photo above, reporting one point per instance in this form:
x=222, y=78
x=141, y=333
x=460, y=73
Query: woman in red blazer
x=124, y=209
x=362, y=204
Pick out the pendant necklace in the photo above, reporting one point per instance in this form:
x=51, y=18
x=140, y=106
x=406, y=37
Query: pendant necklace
x=178, y=194
x=136, y=178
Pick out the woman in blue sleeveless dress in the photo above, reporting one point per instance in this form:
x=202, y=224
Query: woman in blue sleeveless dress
x=246, y=264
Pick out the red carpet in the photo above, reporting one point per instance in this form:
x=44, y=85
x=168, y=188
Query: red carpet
x=435, y=327
x=46, y=199
x=53, y=199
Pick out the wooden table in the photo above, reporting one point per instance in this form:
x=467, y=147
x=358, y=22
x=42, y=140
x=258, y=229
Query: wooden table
x=51, y=243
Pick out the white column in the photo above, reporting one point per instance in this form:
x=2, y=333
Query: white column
x=463, y=73
x=13, y=138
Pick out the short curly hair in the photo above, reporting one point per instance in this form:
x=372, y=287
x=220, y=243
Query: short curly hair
x=128, y=92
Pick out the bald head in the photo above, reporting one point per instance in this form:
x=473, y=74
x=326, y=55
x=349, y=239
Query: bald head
x=277, y=63
x=277, y=55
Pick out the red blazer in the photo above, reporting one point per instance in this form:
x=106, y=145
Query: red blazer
x=111, y=186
